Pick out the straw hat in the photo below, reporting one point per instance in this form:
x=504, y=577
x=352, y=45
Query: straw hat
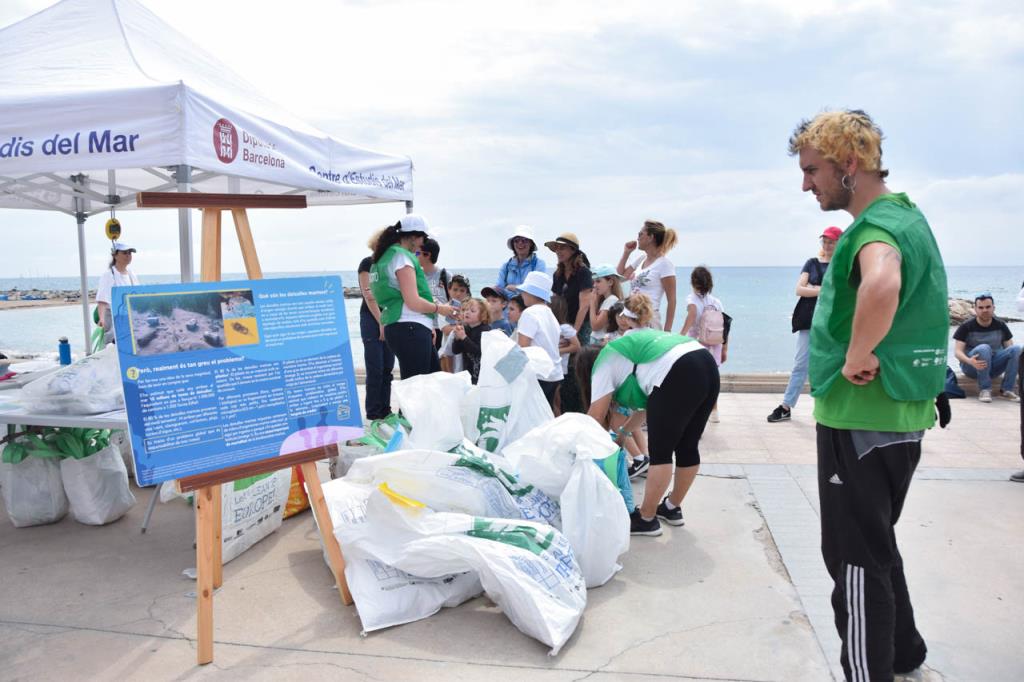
x=567, y=238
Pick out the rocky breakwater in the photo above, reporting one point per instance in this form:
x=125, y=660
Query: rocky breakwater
x=31, y=298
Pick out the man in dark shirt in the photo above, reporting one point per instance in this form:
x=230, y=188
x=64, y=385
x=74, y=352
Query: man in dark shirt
x=984, y=347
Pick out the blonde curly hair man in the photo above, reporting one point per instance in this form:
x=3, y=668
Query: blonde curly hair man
x=877, y=362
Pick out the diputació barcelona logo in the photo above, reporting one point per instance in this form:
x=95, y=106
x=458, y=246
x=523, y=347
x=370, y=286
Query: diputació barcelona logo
x=225, y=140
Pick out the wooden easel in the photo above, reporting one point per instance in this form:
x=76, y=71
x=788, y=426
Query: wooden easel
x=209, y=564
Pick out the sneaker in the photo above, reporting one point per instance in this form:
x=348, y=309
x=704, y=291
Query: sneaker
x=673, y=517
x=779, y=414
x=1017, y=476
x=638, y=526
x=985, y=396
x=639, y=466
x=1009, y=395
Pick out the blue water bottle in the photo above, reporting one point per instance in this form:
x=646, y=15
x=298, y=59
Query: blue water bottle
x=64, y=349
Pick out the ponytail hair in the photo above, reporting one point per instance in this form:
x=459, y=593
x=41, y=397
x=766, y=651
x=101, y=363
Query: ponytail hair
x=641, y=306
x=371, y=243
x=665, y=238
x=389, y=236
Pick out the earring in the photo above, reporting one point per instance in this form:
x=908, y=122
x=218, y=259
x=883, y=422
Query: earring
x=852, y=183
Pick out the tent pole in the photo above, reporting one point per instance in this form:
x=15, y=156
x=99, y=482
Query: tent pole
x=408, y=207
x=183, y=174
x=86, y=318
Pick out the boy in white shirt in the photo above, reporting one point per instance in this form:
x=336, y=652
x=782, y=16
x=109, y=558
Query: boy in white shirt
x=538, y=327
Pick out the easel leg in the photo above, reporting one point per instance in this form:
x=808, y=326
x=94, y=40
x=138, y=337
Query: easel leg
x=323, y=522
x=204, y=575
x=218, y=541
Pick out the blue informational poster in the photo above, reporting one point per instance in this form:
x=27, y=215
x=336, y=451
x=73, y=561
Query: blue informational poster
x=223, y=373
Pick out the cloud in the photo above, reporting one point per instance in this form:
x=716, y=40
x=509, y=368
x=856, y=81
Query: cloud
x=593, y=116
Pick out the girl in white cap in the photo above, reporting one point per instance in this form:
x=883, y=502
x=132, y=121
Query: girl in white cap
x=538, y=327
x=406, y=302
x=607, y=292
x=524, y=260
x=117, y=274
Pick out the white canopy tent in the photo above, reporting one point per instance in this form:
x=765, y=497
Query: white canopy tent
x=99, y=100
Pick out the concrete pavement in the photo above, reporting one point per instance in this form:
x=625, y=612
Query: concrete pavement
x=739, y=593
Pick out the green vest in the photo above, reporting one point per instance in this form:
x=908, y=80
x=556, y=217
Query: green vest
x=390, y=298
x=646, y=345
x=912, y=355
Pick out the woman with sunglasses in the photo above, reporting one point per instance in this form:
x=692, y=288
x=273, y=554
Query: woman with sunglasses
x=807, y=288
x=524, y=260
x=407, y=305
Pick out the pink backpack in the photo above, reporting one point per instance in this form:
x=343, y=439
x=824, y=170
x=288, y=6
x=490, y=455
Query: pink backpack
x=710, y=326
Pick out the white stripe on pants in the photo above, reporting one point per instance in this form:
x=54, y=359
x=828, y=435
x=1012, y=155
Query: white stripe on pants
x=856, y=632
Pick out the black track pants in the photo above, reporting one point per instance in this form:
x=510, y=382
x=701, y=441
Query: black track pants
x=861, y=501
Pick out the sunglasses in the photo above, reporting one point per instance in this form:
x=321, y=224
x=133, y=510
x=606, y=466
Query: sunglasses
x=520, y=240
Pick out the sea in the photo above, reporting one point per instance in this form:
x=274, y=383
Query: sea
x=759, y=299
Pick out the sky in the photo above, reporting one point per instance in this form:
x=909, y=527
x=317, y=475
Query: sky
x=592, y=116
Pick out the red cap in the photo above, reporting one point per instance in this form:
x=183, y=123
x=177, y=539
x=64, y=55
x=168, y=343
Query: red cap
x=833, y=233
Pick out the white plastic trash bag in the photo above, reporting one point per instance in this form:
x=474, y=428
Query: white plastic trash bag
x=511, y=400
x=527, y=569
x=251, y=509
x=384, y=595
x=32, y=491
x=557, y=458
x=474, y=483
x=433, y=405
x=97, y=486
x=91, y=385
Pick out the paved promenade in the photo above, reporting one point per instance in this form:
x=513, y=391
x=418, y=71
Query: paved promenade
x=738, y=593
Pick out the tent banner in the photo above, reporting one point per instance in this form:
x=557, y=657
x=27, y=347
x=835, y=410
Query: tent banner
x=236, y=143
x=94, y=131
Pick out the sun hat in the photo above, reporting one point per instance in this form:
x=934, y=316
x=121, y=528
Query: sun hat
x=524, y=231
x=121, y=246
x=833, y=233
x=413, y=222
x=491, y=292
x=537, y=284
x=605, y=270
x=567, y=238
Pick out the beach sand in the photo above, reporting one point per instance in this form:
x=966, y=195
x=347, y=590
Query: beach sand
x=48, y=303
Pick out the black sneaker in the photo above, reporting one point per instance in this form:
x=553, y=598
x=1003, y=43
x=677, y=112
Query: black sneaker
x=1017, y=476
x=673, y=517
x=779, y=414
x=638, y=526
x=638, y=467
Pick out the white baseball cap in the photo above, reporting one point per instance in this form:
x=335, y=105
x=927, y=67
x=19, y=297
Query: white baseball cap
x=120, y=246
x=413, y=222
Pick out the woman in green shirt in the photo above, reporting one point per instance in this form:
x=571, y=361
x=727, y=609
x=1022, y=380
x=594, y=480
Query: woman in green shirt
x=407, y=305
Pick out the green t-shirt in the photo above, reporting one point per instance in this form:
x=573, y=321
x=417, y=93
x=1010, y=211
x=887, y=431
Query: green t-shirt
x=868, y=407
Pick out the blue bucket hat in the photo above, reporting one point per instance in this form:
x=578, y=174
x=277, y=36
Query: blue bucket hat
x=537, y=284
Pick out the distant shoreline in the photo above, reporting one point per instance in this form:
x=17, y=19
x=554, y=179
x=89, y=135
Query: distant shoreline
x=19, y=304
x=52, y=299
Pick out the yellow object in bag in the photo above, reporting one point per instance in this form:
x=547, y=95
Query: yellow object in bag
x=297, y=500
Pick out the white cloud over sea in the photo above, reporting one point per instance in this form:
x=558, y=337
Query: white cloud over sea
x=591, y=116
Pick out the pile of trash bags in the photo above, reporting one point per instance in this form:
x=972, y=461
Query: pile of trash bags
x=43, y=476
x=483, y=491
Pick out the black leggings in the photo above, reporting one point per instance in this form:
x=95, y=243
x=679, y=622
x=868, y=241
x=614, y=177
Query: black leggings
x=678, y=410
